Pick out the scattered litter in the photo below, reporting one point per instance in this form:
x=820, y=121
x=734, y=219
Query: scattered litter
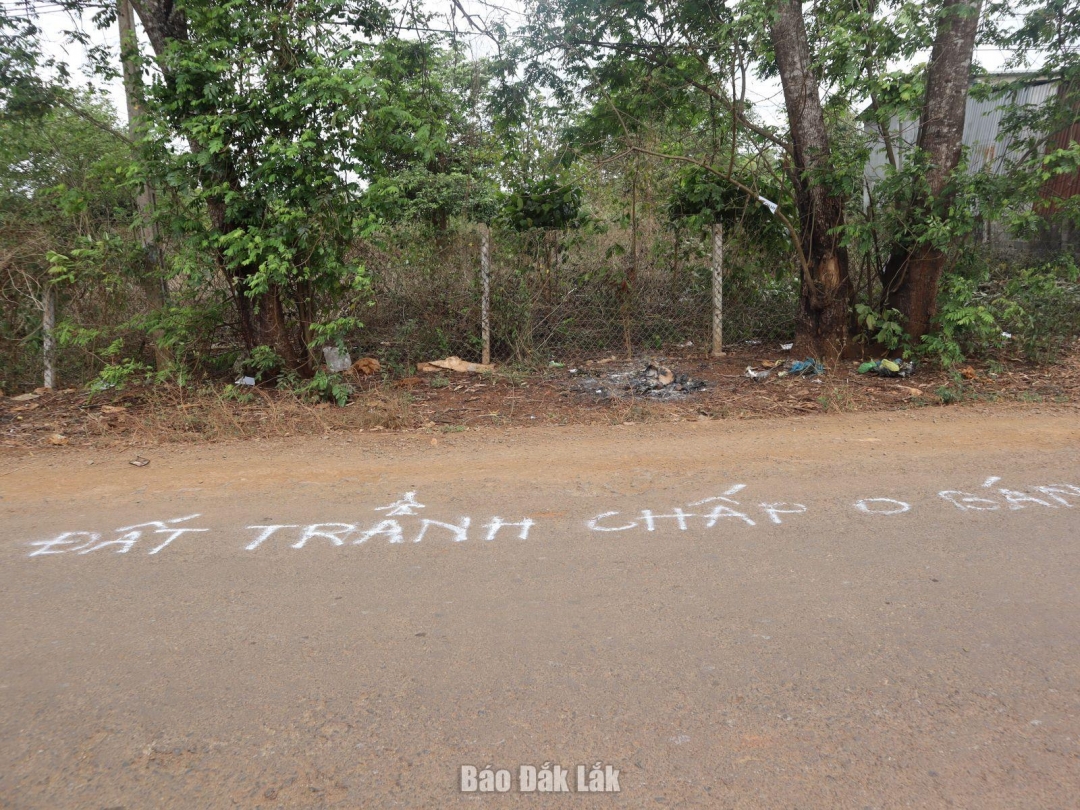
x=25, y=397
x=688, y=344
x=888, y=368
x=245, y=381
x=654, y=381
x=58, y=439
x=792, y=368
x=661, y=374
x=336, y=360
x=139, y=461
x=454, y=363
x=786, y=347
x=573, y=371
x=1007, y=335
x=803, y=368
x=366, y=366
x=554, y=364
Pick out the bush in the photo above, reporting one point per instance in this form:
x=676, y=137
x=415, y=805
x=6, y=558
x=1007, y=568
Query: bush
x=1034, y=310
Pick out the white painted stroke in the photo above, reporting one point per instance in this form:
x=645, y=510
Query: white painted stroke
x=897, y=508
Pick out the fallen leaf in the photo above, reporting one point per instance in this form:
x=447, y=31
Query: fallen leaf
x=139, y=461
x=114, y=409
x=366, y=366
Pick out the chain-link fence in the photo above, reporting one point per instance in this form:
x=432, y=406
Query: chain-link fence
x=561, y=295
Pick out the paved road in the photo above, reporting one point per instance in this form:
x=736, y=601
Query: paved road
x=827, y=612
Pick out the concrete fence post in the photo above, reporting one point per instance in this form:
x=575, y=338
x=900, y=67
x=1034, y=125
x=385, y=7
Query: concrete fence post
x=717, y=291
x=485, y=293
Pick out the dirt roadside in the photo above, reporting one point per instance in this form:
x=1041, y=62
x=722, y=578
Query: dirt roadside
x=589, y=393
x=537, y=455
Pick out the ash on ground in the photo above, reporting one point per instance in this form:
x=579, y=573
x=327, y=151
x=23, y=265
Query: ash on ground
x=653, y=381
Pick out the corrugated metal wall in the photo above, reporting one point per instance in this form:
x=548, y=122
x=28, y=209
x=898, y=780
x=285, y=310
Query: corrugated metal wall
x=988, y=148
x=991, y=149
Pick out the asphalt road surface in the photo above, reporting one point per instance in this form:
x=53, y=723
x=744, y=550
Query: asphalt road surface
x=828, y=612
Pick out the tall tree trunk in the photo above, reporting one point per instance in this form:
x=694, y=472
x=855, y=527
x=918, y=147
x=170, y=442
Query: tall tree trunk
x=913, y=272
x=825, y=299
x=262, y=315
x=151, y=278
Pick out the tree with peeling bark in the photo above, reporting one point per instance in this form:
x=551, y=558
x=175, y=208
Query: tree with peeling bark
x=826, y=292
x=914, y=270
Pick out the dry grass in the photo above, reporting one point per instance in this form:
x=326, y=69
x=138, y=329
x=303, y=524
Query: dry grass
x=164, y=414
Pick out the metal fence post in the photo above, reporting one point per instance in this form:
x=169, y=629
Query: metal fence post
x=718, y=290
x=485, y=300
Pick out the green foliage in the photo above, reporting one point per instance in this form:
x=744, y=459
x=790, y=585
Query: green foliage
x=262, y=362
x=952, y=392
x=321, y=387
x=702, y=198
x=237, y=393
x=548, y=203
x=65, y=207
x=424, y=144
x=1034, y=311
x=119, y=374
x=964, y=321
x=298, y=150
x=882, y=327
x=1040, y=307
x=257, y=122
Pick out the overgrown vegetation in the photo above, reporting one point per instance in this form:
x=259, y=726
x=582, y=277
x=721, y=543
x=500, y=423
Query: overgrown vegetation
x=316, y=175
